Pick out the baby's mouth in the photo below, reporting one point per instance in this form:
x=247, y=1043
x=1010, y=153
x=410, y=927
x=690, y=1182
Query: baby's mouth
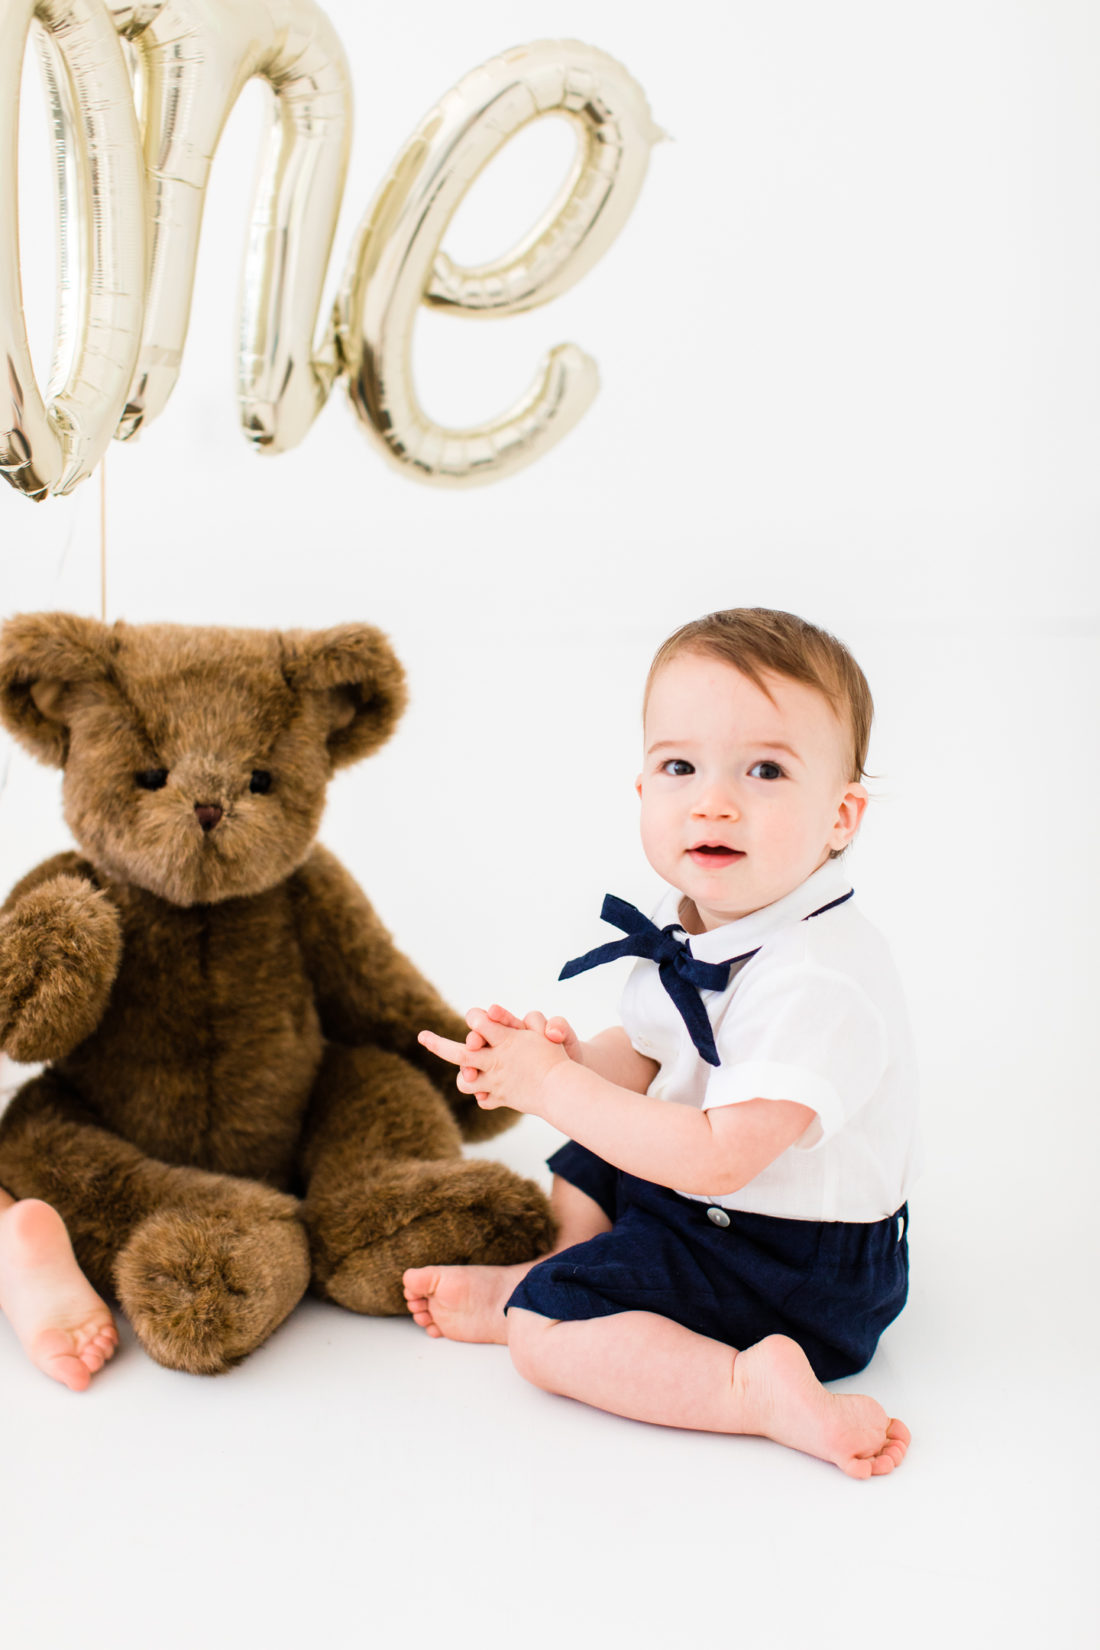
x=714, y=854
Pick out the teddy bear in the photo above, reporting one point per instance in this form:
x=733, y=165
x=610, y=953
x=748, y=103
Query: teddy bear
x=234, y=1106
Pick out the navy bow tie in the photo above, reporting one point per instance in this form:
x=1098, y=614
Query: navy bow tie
x=682, y=975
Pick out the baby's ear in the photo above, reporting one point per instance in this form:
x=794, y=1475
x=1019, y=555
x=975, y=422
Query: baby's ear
x=358, y=673
x=47, y=662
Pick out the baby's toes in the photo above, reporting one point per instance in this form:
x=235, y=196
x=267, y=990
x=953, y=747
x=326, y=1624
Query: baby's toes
x=417, y=1282
x=96, y=1339
x=53, y=1353
x=896, y=1445
x=93, y=1356
x=71, y=1371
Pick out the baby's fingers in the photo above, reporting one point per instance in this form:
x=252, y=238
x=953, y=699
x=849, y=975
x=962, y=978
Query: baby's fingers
x=534, y=1021
x=488, y=1029
x=560, y=1031
x=457, y=1053
x=467, y=1082
x=504, y=1017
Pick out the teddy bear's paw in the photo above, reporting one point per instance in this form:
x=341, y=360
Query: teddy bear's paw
x=59, y=953
x=203, y=1290
x=416, y=1214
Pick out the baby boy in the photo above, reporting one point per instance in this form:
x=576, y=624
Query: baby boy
x=731, y=1202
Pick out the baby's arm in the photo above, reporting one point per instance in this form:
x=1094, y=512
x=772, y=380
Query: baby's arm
x=716, y=1151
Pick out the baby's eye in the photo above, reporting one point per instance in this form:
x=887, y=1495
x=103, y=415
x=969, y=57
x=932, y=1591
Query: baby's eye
x=677, y=767
x=152, y=779
x=765, y=770
x=260, y=781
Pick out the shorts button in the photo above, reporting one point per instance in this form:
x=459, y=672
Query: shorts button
x=718, y=1216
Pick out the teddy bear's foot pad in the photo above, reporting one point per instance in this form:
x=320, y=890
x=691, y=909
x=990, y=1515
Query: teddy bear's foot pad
x=202, y=1290
x=453, y=1213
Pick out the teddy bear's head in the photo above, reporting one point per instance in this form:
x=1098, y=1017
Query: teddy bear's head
x=195, y=759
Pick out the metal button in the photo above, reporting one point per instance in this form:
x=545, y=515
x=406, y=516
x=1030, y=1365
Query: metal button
x=718, y=1216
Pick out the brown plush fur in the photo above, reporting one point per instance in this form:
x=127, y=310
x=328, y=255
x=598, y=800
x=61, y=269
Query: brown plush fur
x=236, y=1105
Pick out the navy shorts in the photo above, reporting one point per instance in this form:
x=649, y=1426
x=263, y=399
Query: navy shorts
x=832, y=1286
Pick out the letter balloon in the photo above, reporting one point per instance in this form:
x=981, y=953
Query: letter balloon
x=396, y=264
x=48, y=446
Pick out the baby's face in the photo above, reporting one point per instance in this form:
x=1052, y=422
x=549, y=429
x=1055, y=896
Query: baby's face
x=743, y=795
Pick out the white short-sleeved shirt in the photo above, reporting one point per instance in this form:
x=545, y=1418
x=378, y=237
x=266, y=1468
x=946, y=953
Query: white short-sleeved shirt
x=817, y=1016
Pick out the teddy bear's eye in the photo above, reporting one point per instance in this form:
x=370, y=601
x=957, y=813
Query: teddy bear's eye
x=260, y=781
x=152, y=779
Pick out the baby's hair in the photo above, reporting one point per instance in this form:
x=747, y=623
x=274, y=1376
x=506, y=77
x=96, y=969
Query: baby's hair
x=759, y=639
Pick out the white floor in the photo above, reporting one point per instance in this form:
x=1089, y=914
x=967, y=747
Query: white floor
x=357, y=1483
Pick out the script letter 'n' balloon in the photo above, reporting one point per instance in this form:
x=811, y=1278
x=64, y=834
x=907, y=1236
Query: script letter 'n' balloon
x=48, y=446
x=196, y=57
x=396, y=263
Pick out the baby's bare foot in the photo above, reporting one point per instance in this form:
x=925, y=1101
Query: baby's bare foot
x=781, y=1398
x=462, y=1303
x=63, y=1326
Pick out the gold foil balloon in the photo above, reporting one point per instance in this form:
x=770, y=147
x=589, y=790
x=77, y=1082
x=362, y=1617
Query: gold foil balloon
x=396, y=264
x=131, y=214
x=47, y=447
x=195, y=58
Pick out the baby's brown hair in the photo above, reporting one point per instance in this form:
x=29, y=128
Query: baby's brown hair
x=759, y=639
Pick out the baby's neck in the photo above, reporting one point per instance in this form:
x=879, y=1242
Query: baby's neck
x=690, y=920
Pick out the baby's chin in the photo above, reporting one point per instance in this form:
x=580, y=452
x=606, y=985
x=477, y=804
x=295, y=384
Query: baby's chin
x=710, y=907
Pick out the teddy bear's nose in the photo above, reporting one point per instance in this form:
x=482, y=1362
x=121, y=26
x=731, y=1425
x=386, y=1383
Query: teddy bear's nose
x=207, y=814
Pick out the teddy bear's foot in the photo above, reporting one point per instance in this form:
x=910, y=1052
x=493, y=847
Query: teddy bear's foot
x=203, y=1289
x=416, y=1214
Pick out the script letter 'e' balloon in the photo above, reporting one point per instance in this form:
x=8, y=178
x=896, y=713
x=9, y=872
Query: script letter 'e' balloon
x=395, y=264
x=48, y=447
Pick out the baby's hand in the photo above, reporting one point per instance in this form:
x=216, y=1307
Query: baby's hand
x=474, y=1040
x=556, y=1030
x=510, y=1064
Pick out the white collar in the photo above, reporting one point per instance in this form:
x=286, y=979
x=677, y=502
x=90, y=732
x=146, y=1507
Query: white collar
x=829, y=882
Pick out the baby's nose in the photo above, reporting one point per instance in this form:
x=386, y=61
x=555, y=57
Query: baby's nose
x=716, y=803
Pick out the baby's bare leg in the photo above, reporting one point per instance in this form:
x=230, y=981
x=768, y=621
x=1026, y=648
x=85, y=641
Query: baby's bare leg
x=63, y=1326
x=466, y=1303
x=650, y=1369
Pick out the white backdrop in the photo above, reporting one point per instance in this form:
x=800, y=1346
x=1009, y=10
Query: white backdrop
x=850, y=354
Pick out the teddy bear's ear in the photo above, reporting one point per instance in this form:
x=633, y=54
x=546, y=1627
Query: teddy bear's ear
x=355, y=668
x=46, y=658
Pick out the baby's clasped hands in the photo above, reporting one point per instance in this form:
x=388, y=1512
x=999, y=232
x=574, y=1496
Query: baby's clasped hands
x=506, y=1061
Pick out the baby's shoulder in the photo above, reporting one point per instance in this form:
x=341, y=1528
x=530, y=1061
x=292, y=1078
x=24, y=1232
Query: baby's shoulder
x=841, y=942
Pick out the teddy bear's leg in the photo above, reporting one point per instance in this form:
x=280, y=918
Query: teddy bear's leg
x=205, y=1266
x=387, y=1187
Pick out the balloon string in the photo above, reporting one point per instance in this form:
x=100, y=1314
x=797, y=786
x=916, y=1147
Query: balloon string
x=103, y=538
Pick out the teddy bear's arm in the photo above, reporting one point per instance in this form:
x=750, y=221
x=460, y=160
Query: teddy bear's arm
x=366, y=989
x=60, y=947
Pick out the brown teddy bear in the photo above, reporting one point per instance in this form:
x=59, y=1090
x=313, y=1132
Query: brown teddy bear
x=236, y=1106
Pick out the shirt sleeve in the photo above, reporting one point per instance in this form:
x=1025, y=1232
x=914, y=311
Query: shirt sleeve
x=643, y=1021
x=803, y=1033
